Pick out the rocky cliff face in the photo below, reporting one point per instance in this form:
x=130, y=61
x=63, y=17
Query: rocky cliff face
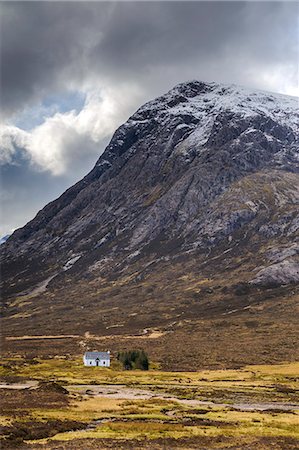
x=204, y=169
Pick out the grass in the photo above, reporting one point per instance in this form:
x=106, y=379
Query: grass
x=99, y=408
x=73, y=371
x=5, y=420
x=235, y=426
x=136, y=430
x=153, y=418
x=262, y=383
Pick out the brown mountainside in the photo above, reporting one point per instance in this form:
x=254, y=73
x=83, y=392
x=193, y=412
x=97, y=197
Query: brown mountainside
x=183, y=236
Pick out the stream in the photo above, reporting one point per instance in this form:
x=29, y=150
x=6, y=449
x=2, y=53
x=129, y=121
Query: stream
x=124, y=392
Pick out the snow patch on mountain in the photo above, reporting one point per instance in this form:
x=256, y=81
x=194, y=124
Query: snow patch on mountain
x=4, y=239
x=206, y=100
x=71, y=262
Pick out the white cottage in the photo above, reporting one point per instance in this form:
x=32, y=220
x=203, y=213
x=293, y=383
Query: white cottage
x=94, y=359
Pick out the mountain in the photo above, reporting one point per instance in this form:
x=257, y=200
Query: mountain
x=188, y=220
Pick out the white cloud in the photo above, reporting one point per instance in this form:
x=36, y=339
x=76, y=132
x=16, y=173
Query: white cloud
x=64, y=138
x=282, y=79
x=11, y=138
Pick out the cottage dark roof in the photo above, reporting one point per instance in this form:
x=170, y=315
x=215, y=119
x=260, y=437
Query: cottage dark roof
x=94, y=355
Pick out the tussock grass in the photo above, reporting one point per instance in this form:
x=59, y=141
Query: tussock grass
x=73, y=371
x=146, y=419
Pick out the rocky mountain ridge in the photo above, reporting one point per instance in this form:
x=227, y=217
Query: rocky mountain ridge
x=191, y=167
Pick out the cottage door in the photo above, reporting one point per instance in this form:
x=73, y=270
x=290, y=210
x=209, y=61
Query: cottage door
x=97, y=362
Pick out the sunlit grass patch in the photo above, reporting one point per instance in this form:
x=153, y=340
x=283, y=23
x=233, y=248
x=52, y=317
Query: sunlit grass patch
x=100, y=404
x=5, y=420
x=259, y=423
x=73, y=372
x=84, y=411
x=63, y=414
x=276, y=370
x=95, y=408
x=130, y=430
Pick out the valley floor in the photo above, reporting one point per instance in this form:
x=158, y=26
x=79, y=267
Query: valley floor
x=60, y=404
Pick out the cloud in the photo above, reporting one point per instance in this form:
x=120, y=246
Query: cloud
x=66, y=140
x=56, y=46
x=44, y=48
x=11, y=139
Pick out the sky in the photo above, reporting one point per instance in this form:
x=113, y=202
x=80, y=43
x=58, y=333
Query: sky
x=72, y=72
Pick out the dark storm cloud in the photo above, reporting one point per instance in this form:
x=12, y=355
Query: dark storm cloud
x=43, y=46
x=48, y=45
x=211, y=40
x=141, y=35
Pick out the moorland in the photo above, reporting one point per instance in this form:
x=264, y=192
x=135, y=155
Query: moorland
x=58, y=403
